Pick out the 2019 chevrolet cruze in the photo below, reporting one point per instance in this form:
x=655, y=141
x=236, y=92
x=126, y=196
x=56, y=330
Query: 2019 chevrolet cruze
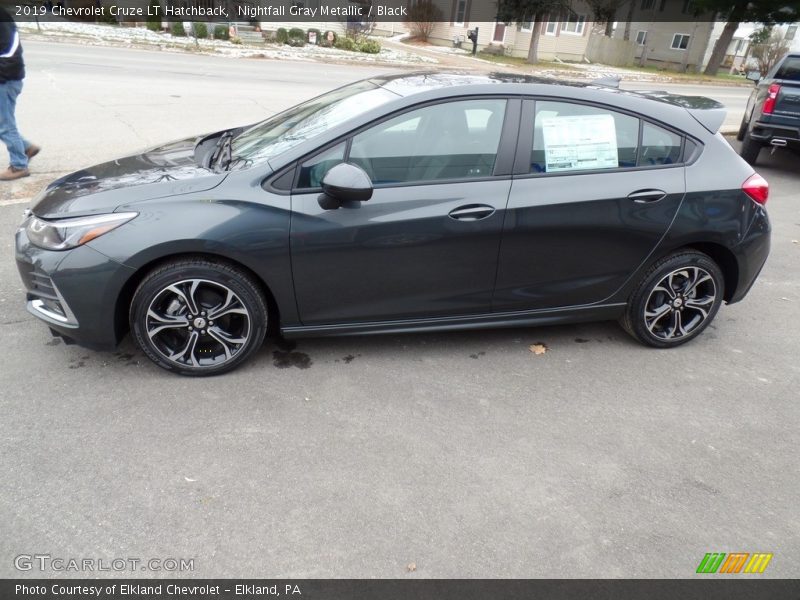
x=409, y=202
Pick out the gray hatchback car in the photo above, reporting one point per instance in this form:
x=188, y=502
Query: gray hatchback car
x=423, y=201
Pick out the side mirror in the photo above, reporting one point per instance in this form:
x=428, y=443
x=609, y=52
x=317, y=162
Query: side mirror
x=345, y=183
x=754, y=76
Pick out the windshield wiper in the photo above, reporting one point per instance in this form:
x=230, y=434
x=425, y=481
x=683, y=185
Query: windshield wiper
x=222, y=148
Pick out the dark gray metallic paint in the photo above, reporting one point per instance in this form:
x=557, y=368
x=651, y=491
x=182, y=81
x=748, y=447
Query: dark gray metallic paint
x=401, y=261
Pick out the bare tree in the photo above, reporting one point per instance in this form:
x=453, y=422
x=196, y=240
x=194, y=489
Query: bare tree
x=605, y=12
x=422, y=17
x=770, y=51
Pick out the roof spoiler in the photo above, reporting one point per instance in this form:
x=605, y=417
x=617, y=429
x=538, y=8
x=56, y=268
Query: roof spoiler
x=710, y=118
x=709, y=113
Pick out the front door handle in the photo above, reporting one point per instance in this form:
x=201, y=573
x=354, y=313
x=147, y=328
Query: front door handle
x=471, y=212
x=649, y=195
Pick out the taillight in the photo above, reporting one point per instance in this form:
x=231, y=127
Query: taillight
x=772, y=96
x=757, y=188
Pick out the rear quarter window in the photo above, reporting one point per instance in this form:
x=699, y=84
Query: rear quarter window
x=789, y=70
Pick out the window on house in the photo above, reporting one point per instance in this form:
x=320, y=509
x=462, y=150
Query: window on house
x=680, y=41
x=550, y=28
x=461, y=12
x=574, y=25
x=525, y=25
x=739, y=47
x=641, y=38
x=790, y=32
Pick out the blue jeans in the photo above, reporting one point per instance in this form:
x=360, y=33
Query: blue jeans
x=15, y=143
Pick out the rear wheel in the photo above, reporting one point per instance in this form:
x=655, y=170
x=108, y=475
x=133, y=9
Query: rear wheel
x=742, y=130
x=675, y=301
x=198, y=317
x=750, y=149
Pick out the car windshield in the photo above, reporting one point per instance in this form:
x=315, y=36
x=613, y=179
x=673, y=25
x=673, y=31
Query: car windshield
x=300, y=123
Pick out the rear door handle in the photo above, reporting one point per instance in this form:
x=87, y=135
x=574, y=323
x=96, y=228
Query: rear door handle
x=649, y=195
x=471, y=212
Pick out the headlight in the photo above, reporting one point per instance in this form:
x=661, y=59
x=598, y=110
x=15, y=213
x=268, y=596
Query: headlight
x=63, y=234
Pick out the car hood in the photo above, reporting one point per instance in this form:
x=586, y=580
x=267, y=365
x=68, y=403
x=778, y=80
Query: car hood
x=167, y=170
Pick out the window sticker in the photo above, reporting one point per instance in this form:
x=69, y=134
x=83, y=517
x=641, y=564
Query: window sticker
x=580, y=142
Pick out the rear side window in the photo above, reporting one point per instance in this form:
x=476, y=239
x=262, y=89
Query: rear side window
x=659, y=146
x=575, y=137
x=570, y=137
x=790, y=69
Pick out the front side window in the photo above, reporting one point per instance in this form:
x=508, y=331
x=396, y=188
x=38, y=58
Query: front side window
x=680, y=41
x=313, y=170
x=550, y=28
x=452, y=140
x=574, y=137
x=641, y=38
x=791, y=31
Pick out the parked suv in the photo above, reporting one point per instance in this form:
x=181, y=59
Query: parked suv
x=772, y=116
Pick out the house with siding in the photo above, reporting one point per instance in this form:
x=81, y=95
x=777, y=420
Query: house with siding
x=559, y=40
x=678, y=45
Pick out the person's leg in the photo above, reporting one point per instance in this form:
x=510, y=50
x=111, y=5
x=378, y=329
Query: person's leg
x=8, y=124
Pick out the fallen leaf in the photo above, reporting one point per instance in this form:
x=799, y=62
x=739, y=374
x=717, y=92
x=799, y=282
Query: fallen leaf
x=190, y=480
x=411, y=567
x=796, y=241
x=538, y=348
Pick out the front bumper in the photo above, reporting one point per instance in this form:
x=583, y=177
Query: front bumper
x=74, y=291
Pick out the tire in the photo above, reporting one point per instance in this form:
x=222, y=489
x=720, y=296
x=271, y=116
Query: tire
x=173, y=313
x=750, y=149
x=742, y=130
x=675, y=301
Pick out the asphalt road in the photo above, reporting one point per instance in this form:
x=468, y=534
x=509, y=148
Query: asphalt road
x=463, y=453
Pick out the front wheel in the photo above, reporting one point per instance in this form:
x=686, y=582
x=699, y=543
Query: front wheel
x=675, y=301
x=197, y=317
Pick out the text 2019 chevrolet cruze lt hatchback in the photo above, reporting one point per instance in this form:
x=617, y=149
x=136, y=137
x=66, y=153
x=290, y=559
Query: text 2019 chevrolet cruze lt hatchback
x=404, y=203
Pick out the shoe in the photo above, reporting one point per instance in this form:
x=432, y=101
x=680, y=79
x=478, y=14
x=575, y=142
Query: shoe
x=12, y=173
x=32, y=151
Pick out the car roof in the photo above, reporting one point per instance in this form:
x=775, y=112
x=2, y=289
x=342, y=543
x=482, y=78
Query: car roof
x=708, y=112
x=409, y=84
